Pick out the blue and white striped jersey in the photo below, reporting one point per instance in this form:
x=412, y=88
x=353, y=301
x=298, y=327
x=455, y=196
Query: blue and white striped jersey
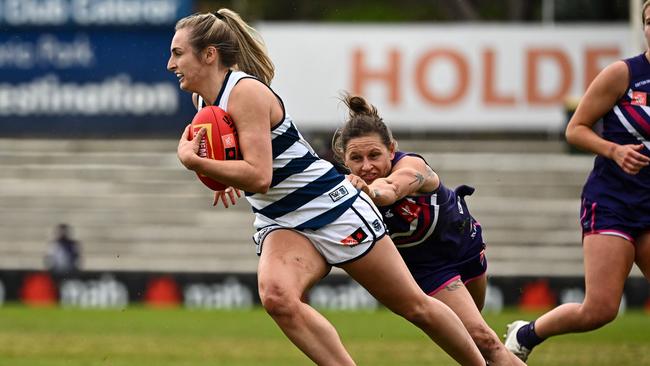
x=306, y=191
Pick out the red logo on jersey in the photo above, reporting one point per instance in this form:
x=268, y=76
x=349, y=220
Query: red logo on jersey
x=639, y=98
x=408, y=210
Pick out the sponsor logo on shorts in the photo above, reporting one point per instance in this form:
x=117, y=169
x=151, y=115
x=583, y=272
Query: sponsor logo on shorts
x=357, y=237
x=338, y=193
x=376, y=225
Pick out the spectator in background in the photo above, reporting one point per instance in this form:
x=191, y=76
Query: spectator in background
x=63, y=254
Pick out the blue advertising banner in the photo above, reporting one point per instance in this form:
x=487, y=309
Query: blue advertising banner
x=88, y=13
x=82, y=77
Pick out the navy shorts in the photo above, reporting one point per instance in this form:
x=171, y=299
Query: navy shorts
x=626, y=222
x=455, y=251
x=467, y=270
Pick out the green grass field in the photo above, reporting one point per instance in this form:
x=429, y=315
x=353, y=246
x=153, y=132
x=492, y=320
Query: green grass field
x=139, y=336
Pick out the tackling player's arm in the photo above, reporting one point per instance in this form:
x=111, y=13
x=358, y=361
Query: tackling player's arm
x=409, y=176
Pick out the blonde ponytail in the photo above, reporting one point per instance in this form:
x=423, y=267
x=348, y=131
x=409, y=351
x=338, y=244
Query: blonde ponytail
x=239, y=45
x=252, y=58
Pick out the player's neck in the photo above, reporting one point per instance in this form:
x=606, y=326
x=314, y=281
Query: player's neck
x=214, y=85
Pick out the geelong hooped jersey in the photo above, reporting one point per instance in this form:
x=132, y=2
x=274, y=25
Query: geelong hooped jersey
x=628, y=122
x=306, y=192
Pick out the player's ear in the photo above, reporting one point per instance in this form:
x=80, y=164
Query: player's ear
x=210, y=54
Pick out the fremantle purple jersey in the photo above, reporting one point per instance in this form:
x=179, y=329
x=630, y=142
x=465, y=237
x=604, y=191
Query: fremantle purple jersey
x=625, y=195
x=435, y=232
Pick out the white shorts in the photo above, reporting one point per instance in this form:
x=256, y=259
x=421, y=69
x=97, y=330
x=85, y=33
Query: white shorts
x=345, y=239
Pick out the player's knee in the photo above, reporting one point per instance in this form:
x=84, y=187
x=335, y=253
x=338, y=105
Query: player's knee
x=484, y=338
x=601, y=318
x=598, y=315
x=277, y=301
x=416, y=313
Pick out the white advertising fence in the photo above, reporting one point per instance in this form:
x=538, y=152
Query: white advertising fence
x=456, y=77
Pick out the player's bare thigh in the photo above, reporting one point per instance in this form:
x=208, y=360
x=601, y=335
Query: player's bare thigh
x=459, y=299
x=383, y=273
x=289, y=260
x=477, y=289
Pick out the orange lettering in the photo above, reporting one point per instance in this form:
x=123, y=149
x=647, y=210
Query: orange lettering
x=462, y=70
x=362, y=75
x=534, y=95
x=490, y=95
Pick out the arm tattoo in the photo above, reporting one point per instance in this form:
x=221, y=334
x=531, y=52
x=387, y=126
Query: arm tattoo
x=454, y=285
x=376, y=192
x=419, y=179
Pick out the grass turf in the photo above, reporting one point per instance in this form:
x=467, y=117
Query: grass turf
x=141, y=336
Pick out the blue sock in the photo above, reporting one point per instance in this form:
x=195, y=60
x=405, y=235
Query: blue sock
x=527, y=337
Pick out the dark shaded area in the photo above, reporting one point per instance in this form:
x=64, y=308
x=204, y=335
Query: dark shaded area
x=424, y=11
x=102, y=285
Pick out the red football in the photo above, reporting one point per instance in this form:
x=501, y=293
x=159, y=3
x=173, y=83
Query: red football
x=219, y=142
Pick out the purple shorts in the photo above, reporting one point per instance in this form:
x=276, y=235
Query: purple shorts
x=626, y=223
x=467, y=271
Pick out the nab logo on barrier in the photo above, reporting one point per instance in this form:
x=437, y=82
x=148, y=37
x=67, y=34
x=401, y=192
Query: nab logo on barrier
x=351, y=296
x=231, y=294
x=106, y=292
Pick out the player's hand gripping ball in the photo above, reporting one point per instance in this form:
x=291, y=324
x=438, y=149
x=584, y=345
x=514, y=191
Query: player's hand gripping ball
x=219, y=141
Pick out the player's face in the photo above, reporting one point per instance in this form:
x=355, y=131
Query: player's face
x=368, y=157
x=184, y=62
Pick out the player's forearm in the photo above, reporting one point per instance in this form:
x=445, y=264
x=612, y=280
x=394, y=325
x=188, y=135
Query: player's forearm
x=236, y=173
x=585, y=138
x=383, y=195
